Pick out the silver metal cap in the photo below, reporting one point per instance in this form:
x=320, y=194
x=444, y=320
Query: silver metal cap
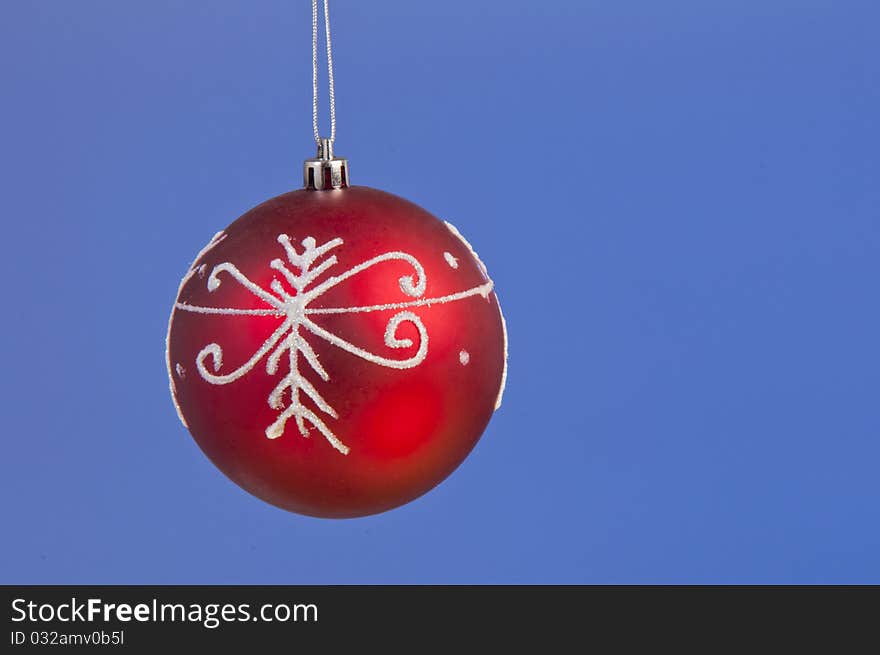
x=325, y=171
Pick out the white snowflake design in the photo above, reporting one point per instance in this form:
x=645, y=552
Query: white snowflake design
x=292, y=304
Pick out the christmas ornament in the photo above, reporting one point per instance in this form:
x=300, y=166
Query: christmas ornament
x=336, y=351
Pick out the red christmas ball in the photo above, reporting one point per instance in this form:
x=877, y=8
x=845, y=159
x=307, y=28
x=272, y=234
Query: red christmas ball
x=337, y=353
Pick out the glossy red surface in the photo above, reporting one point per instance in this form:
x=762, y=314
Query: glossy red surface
x=406, y=429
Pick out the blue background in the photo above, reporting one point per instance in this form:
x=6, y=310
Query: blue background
x=678, y=202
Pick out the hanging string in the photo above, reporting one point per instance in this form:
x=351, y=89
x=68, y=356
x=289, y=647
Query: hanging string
x=329, y=73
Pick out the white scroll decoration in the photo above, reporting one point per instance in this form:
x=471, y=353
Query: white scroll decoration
x=193, y=270
x=291, y=302
x=503, y=385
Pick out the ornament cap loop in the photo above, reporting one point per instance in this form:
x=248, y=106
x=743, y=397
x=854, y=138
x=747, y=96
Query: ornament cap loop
x=325, y=171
